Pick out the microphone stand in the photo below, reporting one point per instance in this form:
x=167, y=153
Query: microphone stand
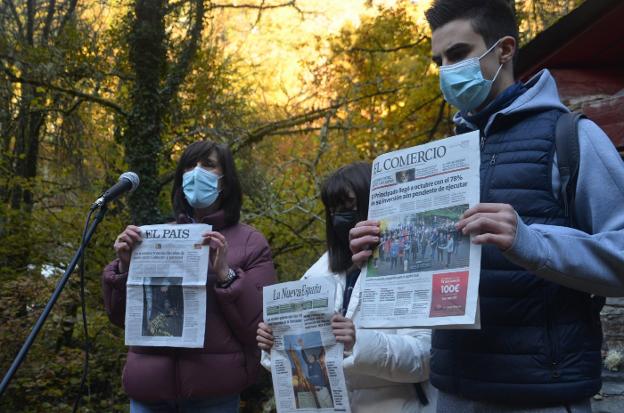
x=46, y=311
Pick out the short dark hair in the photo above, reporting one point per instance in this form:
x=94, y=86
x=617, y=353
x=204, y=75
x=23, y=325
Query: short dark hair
x=231, y=196
x=492, y=19
x=334, y=192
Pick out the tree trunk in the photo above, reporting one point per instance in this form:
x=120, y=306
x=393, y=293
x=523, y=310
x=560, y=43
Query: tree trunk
x=142, y=137
x=157, y=82
x=23, y=173
x=26, y=150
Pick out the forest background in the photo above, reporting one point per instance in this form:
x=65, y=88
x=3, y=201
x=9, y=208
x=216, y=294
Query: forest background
x=92, y=88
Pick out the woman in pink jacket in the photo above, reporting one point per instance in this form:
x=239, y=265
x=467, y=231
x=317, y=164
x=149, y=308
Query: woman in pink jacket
x=206, y=189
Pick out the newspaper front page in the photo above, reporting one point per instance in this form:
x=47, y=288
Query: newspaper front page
x=166, y=288
x=424, y=273
x=306, y=360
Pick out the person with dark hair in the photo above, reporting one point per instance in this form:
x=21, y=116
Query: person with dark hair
x=394, y=253
x=206, y=190
x=386, y=370
x=548, y=260
x=441, y=245
x=433, y=242
x=424, y=240
x=450, y=247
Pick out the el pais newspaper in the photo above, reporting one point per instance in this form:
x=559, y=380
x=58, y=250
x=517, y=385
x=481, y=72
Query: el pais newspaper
x=306, y=360
x=166, y=288
x=424, y=273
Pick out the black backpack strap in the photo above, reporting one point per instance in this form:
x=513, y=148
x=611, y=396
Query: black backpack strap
x=568, y=158
x=420, y=392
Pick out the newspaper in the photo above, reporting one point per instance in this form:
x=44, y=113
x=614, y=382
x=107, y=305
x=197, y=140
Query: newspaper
x=166, y=288
x=424, y=273
x=306, y=360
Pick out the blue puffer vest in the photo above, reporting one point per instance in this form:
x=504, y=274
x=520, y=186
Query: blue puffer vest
x=539, y=342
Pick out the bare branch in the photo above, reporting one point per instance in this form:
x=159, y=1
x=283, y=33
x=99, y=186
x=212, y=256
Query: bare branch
x=30, y=22
x=262, y=6
x=179, y=71
x=324, y=137
x=259, y=133
x=68, y=15
x=297, y=231
x=438, y=119
x=301, y=131
x=48, y=21
x=92, y=98
x=259, y=16
x=288, y=247
x=166, y=178
x=388, y=50
x=20, y=28
x=66, y=112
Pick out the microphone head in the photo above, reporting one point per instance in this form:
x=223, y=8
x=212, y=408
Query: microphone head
x=132, y=177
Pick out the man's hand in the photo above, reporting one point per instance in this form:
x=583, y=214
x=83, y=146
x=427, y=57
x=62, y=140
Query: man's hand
x=494, y=224
x=363, y=238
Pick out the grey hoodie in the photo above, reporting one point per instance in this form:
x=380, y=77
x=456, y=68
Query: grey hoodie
x=590, y=258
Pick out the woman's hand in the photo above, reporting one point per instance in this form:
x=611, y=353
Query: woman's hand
x=218, y=253
x=344, y=330
x=363, y=238
x=264, y=337
x=124, y=244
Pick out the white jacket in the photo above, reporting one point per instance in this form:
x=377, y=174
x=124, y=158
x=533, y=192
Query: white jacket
x=384, y=364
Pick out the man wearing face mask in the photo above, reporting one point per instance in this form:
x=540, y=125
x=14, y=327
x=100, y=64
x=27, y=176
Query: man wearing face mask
x=386, y=370
x=544, y=269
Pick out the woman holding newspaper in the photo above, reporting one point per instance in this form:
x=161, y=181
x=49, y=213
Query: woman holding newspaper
x=386, y=370
x=209, y=379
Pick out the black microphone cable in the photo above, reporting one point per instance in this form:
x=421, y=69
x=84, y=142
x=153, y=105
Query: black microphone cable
x=100, y=204
x=83, y=306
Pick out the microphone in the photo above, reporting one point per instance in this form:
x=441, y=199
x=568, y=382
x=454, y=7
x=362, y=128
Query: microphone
x=128, y=182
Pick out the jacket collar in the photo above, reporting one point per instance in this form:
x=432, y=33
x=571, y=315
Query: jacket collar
x=540, y=95
x=216, y=219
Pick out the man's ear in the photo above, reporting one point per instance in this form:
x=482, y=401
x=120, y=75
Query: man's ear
x=508, y=47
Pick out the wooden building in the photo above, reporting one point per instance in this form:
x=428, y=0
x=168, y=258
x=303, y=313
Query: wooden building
x=585, y=53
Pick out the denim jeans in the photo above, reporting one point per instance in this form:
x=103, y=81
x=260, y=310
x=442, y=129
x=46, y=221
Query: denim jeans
x=225, y=404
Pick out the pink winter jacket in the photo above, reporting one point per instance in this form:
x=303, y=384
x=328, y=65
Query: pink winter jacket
x=229, y=360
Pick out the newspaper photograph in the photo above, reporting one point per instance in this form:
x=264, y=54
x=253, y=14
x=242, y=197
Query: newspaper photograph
x=166, y=288
x=306, y=360
x=424, y=273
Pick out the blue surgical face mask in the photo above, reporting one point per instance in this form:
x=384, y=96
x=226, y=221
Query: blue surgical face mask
x=463, y=85
x=201, y=187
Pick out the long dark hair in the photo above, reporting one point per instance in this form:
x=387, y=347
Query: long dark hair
x=334, y=193
x=231, y=197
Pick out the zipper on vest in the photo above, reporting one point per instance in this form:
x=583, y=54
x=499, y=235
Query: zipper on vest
x=554, y=366
x=488, y=168
x=555, y=373
x=487, y=177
